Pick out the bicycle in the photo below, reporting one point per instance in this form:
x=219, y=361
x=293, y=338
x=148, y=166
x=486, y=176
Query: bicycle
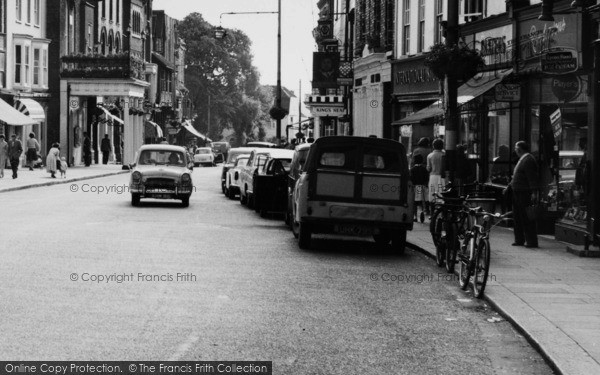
x=474, y=255
x=447, y=224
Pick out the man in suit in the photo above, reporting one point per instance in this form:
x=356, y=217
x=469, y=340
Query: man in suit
x=87, y=149
x=15, y=149
x=524, y=185
x=105, y=149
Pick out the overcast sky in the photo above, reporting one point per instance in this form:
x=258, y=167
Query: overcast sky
x=298, y=19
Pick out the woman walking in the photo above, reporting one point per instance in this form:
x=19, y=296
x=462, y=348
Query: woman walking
x=3, y=155
x=33, y=147
x=53, y=160
x=435, y=167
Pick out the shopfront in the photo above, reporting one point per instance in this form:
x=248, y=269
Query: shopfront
x=414, y=88
x=555, y=114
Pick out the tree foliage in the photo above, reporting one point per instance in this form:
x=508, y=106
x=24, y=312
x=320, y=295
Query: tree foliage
x=221, y=72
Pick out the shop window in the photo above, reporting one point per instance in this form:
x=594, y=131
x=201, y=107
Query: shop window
x=500, y=147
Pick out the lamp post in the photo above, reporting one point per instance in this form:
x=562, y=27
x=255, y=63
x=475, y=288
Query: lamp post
x=220, y=33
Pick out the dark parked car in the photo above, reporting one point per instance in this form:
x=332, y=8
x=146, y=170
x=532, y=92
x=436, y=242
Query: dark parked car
x=270, y=194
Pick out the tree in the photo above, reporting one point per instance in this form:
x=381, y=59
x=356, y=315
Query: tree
x=221, y=72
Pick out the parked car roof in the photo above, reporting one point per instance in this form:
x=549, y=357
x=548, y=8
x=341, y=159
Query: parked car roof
x=163, y=147
x=278, y=153
x=261, y=144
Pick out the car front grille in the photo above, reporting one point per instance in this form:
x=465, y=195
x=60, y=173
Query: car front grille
x=161, y=183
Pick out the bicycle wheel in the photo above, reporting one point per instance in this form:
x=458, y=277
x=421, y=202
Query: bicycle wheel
x=482, y=267
x=452, y=245
x=464, y=273
x=435, y=227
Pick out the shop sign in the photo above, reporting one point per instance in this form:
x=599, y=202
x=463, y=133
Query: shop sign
x=493, y=44
x=323, y=111
x=413, y=77
x=345, y=81
x=566, y=87
x=559, y=62
x=555, y=121
x=508, y=92
x=537, y=38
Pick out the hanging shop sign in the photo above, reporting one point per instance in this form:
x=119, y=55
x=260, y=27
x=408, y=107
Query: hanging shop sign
x=327, y=111
x=326, y=67
x=559, y=61
x=507, y=92
x=566, y=87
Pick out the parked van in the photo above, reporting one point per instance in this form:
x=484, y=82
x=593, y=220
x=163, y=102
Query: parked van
x=354, y=186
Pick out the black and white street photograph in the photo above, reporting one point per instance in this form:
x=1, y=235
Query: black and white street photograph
x=300, y=187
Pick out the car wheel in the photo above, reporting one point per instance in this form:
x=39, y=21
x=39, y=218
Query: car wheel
x=288, y=218
x=231, y=194
x=399, y=240
x=185, y=202
x=250, y=199
x=304, y=235
x=243, y=198
x=135, y=200
x=223, y=187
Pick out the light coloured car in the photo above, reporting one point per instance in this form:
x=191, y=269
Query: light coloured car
x=161, y=172
x=231, y=156
x=258, y=159
x=204, y=156
x=354, y=186
x=232, y=181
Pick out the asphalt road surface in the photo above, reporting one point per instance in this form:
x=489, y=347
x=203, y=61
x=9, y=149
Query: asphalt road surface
x=86, y=276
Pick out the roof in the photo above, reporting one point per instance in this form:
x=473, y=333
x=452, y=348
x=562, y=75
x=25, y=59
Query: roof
x=351, y=140
x=163, y=61
x=162, y=147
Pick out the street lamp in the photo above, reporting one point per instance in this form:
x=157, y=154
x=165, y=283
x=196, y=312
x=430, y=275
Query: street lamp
x=220, y=33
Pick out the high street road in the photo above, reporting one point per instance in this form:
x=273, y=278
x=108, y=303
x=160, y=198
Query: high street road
x=86, y=276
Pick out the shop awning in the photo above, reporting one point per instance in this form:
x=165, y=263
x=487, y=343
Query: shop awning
x=110, y=116
x=468, y=91
x=31, y=108
x=159, y=132
x=12, y=117
x=188, y=126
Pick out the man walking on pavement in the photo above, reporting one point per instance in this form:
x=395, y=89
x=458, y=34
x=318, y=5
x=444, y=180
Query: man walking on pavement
x=87, y=150
x=15, y=149
x=105, y=149
x=524, y=185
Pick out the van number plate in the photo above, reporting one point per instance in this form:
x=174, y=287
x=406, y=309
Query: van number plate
x=353, y=230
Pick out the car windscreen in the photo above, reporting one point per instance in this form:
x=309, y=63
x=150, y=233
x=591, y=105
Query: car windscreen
x=234, y=155
x=241, y=161
x=161, y=157
x=203, y=151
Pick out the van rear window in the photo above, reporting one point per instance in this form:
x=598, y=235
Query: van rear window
x=381, y=160
x=337, y=158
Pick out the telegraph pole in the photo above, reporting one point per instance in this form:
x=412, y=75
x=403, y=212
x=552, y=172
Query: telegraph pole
x=278, y=102
x=452, y=129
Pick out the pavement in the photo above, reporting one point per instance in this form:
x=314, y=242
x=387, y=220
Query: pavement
x=39, y=177
x=553, y=297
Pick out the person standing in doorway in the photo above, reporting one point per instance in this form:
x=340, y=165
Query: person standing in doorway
x=87, y=149
x=3, y=155
x=435, y=167
x=105, y=149
x=33, y=147
x=524, y=185
x=15, y=149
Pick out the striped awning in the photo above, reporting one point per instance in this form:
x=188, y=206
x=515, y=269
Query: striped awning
x=31, y=108
x=110, y=116
x=159, y=132
x=12, y=117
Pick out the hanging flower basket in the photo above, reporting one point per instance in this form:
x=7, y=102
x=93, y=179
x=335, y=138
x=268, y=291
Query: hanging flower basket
x=460, y=62
x=277, y=113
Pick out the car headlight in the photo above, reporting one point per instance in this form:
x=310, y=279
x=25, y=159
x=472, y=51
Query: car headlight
x=185, y=178
x=136, y=177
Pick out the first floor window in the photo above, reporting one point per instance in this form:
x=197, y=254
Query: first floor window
x=27, y=67
x=36, y=66
x=18, y=58
x=45, y=65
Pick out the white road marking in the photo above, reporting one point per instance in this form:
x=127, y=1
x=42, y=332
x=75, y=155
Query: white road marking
x=184, y=347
